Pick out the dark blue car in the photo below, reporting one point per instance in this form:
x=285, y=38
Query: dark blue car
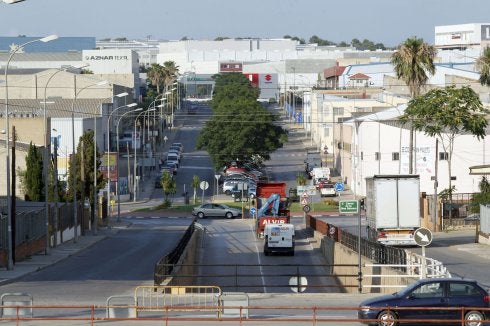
x=435, y=294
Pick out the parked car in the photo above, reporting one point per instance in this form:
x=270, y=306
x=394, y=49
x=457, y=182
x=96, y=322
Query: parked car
x=172, y=158
x=433, y=293
x=219, y=210
x=181, y=147
x=472, y=217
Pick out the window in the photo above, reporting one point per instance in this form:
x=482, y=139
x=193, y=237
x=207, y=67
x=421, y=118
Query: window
x=429, y=290
x=377, y=156
x=338, y=111
x=462, y=289
x=362, y=156
x=395, y=156
x=443, y=156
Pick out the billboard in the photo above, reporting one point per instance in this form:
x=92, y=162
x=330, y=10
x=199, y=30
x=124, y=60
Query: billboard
x=113, y=173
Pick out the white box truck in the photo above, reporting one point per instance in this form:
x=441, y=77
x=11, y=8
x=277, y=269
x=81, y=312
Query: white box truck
x=393, y=208
x=279, y=238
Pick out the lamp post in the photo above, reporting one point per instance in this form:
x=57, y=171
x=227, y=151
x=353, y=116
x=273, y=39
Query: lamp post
x=135, y=158
x=74, y=169
x=117, y=148
x=11, y=1
x=10, y=261
x=95, y=160
x=108, y=156
x=47, y=151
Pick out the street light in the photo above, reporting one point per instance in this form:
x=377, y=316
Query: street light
x=117, y=148
x=12, y=1
x=47, y=151
x=74, y=178
x=141, y=140
x=108, y=156
x=10, y=261
x=95, y=159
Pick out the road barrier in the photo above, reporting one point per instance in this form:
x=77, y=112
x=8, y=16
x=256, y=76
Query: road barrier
x=177, y=298
x=16, y=304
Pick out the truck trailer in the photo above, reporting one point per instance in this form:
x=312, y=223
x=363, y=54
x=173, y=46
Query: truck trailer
x=274, y=205
x=393, y=208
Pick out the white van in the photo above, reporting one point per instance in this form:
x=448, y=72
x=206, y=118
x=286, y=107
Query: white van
x=279, y=238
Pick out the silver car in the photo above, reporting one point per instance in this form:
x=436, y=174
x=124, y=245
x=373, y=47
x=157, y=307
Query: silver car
x=218, y=210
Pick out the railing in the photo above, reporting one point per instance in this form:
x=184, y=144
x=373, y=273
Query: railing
x=242, y=276
x=274, y=315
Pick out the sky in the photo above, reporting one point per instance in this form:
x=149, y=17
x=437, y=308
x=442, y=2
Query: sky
x=381, y=21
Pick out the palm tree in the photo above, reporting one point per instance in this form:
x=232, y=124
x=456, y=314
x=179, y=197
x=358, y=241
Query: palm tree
x=483, y=67
x=156, y=75
x=170, y=71
x=413, y=61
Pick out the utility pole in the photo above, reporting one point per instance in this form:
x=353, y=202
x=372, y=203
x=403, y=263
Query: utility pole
x=55, y=180
x=82, y=179
x=13, y=196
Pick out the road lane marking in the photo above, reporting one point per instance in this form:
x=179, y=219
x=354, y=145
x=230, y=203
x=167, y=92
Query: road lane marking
x=259, y=260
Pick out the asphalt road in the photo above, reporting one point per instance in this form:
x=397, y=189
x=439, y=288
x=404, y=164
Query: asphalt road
x=114, y=266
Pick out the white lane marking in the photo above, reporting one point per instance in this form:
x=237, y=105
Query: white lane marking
x=259, y=260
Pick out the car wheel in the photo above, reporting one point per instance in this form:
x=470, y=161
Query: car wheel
x=474, y=318
x=201, y=215
x=387, y=318
x=227, y=192
x=229, y=215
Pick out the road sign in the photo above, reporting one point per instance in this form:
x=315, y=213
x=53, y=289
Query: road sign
x=422, y=237
x=298, y=283
x=217, y=176
x=253, y=210
x=304, y=201
x=204, y=185
x=349, y=206
x=339, y=186
x=310, y=190
x=305, y=195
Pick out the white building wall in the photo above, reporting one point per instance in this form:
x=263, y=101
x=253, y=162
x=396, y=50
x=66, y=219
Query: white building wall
x=374, y=137
x=454, y=35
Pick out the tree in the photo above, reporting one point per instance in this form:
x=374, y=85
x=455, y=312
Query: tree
x=481, y=198
x=240, y=127
x=301, y=179
x=86, y=188
x=445, y=113
x=32, y=177
x=156, y=75
x=412, y=62
x=483, y=67
x=169, y=185
x=195, y=185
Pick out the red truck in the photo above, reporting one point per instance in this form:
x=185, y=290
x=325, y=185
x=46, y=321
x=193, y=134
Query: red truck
x=274, y=205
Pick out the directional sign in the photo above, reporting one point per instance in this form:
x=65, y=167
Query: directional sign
x=339, y=186
x=298, y=284
x=422, y=237
x=349, y=206
x=253, y=210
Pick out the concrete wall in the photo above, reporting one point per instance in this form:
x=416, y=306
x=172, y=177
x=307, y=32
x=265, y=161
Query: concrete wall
x=337, y=254
x=189, y=256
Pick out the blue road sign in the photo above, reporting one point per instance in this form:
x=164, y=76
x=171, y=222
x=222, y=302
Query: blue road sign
x=253, y=210
x=339, y=186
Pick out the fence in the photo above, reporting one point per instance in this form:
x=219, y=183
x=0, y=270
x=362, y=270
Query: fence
x=253, y=315
x=30, y=228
